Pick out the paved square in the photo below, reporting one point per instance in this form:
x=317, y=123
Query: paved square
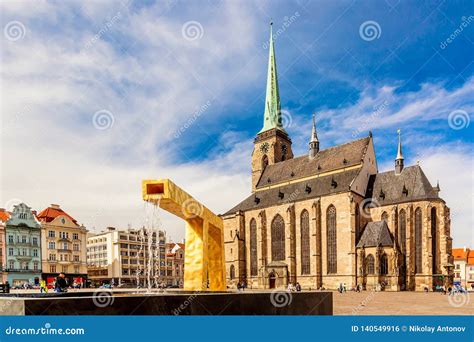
x=402, y=303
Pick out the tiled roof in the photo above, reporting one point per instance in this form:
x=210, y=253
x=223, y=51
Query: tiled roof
x=470, y=257
x=330, y=159
x=375, y=234
x=460, y=253
x=326, y=185
x=4, y=215
x=50, y=213
x=410, y=185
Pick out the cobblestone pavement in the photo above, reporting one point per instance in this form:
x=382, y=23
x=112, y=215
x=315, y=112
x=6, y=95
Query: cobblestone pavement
x=402, y=303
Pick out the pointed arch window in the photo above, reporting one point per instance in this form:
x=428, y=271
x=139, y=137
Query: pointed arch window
x=357, y=223
x=434, y=244
x=383, y=264
x=232, y=272
x=418, y=241
x=402, y=231
x=253, y=248
x=384, y=216
x=264, y=161
x=370, y=264
x=331, y=239
x=305, y=246
x=278, y=238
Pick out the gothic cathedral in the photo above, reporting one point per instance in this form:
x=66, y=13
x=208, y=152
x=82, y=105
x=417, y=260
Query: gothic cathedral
x=329, y=217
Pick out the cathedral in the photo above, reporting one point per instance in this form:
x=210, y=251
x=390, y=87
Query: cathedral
x=329, y=217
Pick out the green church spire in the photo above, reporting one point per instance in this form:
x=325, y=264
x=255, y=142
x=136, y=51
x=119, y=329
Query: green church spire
x=272, y=117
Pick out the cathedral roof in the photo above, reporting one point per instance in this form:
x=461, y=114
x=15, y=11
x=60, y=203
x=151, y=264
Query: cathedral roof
x=411, y=185
x=330, y=159
x=321, y=186
x=375, y=234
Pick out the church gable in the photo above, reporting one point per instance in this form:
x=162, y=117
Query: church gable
x=410, y=185
x=331, y=159
x=375, y=234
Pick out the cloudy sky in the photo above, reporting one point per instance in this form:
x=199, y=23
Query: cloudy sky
x=98, y=95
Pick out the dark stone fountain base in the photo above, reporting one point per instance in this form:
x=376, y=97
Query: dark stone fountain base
x=178, y=303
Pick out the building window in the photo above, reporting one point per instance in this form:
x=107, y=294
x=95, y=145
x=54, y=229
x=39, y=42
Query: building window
x=384, y=217
x=232, y=272
x=35, y=241
x=76, y=269
x=264, y=162
x=75, y=236
x=51, y=245
x=10, y=251
x=52, y=257
x=24, y=252
x=64, y=269
x=383, y=264
x=35, y=266
x=369, y=264
x=10, y=238
x=357, y=223
x=253, y=248
x=65, y=245
x=76, y=258
x=278, y=239
x=11, y=265
x=305, y=252
x=51, y=233
x=402, y=230
x=418, y=241
x=331, y=239
x=35, y=252
x=23, y=239
x=434, y=243
x=76, y=247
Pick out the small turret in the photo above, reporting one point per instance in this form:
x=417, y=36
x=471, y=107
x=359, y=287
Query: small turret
x=399, y=160
x=314, y=142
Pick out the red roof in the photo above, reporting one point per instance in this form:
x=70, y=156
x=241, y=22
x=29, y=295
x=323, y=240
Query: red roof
x=4, y=215
x=470, y=257
x=50, y=213
x=460, y=253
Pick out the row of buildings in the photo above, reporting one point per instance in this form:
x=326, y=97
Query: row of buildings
x=38, y=246
x=464, y=267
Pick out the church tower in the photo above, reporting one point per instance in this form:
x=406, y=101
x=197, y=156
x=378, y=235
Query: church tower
x=399, y=161
x=272, y=144
x=314, y=142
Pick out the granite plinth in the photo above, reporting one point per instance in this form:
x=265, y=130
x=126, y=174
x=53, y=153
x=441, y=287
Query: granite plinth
x=102, y=303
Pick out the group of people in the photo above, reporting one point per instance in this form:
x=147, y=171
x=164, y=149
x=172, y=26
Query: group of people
x=296, y=287
x=60, y=284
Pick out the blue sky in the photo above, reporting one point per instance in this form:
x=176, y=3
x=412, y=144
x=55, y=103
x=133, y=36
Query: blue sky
x=136, y=62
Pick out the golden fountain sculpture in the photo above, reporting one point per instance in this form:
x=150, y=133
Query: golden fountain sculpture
x=204, y=252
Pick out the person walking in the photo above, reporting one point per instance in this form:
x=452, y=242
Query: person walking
x=61, y=283
x=43, y=287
